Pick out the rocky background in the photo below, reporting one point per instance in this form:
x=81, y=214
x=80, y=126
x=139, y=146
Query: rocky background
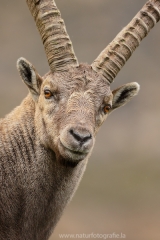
x=120, y=191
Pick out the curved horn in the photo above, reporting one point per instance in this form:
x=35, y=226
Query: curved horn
x=114, y=56
x=57, y=44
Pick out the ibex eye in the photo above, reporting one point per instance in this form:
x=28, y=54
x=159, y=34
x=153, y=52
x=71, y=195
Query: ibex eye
x=47, y=94
x=107, y=108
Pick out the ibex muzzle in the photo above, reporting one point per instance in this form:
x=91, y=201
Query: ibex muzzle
x=77, y=137
x=75, y=142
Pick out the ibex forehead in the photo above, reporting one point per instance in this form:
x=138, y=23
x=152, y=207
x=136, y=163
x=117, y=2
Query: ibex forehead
x=77, y=79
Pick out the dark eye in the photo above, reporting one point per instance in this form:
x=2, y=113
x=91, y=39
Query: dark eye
x=106, y=108
x=48, y=94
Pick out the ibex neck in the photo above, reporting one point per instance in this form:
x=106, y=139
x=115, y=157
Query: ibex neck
x=39, y=186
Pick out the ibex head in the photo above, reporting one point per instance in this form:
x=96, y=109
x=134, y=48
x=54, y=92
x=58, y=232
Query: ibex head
x=71, y=106
x=73, y=100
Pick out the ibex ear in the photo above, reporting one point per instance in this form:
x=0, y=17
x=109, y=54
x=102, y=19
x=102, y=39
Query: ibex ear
x=30, y=77
x=123, y=94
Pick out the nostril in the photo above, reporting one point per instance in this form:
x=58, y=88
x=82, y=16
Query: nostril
x=75, y=135
x=81, y=137
x=71, y=131
x=87, y=138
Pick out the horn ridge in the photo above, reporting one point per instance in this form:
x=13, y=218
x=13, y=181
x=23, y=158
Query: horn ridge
x=114, y=56
x=57, y=44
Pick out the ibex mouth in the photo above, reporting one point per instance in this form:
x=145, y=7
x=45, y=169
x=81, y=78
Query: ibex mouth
x=69, y=153
x=76, y=142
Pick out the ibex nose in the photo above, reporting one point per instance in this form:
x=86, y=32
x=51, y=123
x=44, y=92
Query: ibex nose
x=81, y=136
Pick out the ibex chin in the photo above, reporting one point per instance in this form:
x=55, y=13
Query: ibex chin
x=45, y=142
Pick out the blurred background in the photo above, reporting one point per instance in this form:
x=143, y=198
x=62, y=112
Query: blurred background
x=120, y=190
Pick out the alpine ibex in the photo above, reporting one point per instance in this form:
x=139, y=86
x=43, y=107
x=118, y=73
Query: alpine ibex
x=45, y=143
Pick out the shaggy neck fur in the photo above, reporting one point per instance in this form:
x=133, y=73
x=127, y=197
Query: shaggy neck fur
x=35, y=186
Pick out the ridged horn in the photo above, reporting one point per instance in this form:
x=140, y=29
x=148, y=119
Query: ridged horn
x=114, y=56
x=57, y=44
